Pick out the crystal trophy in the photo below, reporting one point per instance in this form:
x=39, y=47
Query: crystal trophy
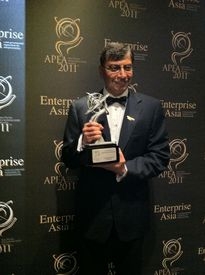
x=101, y=151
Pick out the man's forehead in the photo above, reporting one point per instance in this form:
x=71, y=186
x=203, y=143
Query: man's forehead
x=122, y=60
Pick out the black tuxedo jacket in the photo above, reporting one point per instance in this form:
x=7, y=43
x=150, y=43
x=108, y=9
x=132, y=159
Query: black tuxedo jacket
x=101, y=202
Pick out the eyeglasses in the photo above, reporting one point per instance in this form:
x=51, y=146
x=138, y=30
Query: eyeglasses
x=116, y=68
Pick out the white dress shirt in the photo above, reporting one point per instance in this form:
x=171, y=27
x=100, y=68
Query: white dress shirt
x=115, y=117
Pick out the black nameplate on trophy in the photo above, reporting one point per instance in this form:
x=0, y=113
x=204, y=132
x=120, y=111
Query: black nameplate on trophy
x=101, y=153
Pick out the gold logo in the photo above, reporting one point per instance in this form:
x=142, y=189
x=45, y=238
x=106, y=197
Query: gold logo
x=68, y=32
x=172, y=252
x=6, y=92
x=178, y=153
x=65, y=264
x=181, y=43
x=7, y=219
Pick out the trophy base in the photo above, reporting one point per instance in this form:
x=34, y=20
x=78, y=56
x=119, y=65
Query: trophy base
x=101, y=153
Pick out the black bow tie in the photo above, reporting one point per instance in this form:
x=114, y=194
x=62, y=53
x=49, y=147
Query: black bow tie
x=121, y=100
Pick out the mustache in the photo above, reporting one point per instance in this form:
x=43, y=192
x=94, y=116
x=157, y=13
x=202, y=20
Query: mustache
x=122, y=80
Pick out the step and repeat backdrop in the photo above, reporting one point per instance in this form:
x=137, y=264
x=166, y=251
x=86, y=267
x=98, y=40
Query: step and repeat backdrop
x=49, y=57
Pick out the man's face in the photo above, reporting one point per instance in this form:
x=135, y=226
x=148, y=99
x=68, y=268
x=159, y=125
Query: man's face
x=117, y=75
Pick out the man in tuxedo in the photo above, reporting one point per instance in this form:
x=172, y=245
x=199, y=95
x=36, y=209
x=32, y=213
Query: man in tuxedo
x=112, y=199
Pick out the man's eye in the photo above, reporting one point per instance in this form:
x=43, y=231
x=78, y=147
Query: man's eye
x=117, y=68
x=114, y=68
x=127, y=67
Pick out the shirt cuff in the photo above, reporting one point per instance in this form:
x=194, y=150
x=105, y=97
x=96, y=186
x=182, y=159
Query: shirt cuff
x=120, y=177
x=80, y=143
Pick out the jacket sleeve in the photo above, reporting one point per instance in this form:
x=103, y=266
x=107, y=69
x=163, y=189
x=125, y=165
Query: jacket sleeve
x=73, y=129
x=156, y=153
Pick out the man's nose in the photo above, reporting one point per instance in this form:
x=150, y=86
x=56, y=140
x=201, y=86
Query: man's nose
x=122, y=72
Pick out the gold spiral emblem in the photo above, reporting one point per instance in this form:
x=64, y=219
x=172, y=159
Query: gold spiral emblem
x=7, y=218
x=58, y=149
x=58, y=153
x=178, y=152
x=181, y=43
x=65, y=264
x=6, y=96
x=68, y=32
x=133, y=87
x=172, y=252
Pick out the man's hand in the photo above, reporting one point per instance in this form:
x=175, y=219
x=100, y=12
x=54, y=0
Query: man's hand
x=92, y=131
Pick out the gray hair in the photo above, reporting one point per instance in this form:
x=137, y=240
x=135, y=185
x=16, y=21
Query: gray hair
x=115, y=51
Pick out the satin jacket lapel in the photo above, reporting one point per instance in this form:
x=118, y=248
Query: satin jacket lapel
x=103, y=120
x=130, y=118
x=106, y=131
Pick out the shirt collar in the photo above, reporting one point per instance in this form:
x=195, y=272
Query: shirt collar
x=105, y=92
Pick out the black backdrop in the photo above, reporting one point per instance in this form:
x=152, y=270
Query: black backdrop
x=63, y=40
